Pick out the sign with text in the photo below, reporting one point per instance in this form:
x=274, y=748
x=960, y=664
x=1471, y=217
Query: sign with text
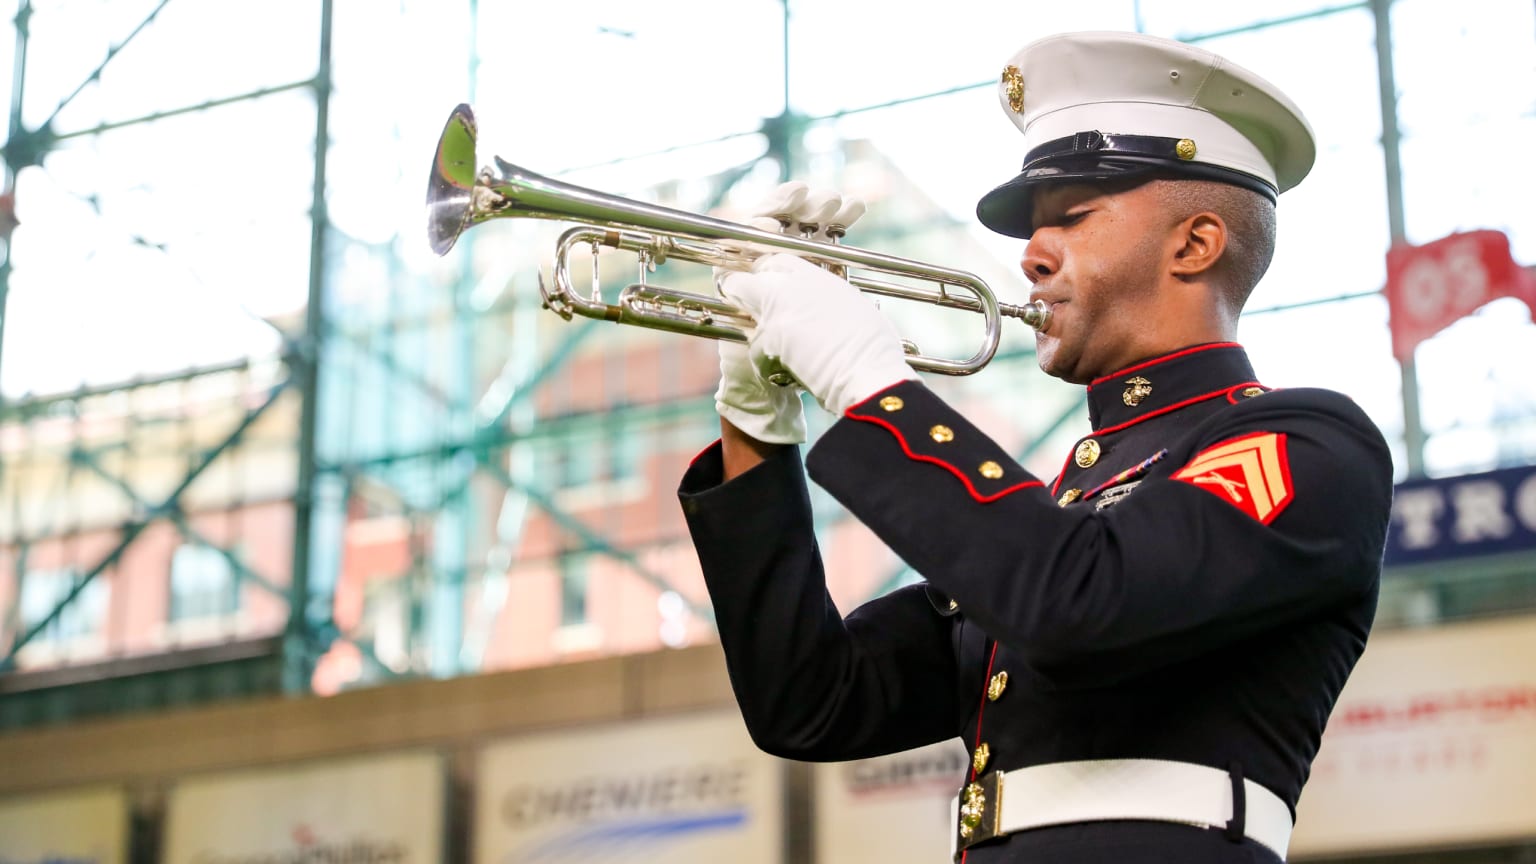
x=671, y=791
x=1463, y=517
x=386, y=808
x=1433, y=743
x=85, y=826
x=1430, y=287
x=893, y=808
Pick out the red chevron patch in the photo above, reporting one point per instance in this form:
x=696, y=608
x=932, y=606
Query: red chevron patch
x=1251, y=473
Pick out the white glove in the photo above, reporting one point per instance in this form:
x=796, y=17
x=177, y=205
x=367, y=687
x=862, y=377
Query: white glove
x=819, y=214
x=764, y=411
x=824, y=331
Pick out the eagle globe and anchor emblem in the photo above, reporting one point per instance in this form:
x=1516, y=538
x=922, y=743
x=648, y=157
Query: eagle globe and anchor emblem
x=973, y=807
x=1136, y=389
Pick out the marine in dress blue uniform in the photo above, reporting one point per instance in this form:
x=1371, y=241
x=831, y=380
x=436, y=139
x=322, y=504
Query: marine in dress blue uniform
x=1141, y=652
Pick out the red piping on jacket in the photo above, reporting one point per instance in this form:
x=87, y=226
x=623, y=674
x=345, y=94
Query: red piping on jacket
x=700, y=455
x=918, y=457
x=1163, y=359
x=985, y=683
x=1148, y=416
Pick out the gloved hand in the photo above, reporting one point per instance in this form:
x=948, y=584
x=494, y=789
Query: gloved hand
x=764, y=411
x=817, y=214
x=824, y=331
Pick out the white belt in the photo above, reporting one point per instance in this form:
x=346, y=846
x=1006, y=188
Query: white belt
x=1002, y=802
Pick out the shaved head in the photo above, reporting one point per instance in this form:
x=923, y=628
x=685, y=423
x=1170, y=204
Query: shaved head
x=1250, y=221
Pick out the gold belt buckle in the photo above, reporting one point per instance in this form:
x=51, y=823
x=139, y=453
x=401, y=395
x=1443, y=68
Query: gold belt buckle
x=981, y=806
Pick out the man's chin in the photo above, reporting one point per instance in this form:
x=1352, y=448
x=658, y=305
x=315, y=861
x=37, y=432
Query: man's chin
x=1053, y=363
x=1045, y=352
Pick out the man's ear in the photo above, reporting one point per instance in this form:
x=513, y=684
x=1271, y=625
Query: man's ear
x=1202, y=239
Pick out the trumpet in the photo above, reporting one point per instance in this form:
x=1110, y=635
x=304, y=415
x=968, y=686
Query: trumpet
x=460, y=196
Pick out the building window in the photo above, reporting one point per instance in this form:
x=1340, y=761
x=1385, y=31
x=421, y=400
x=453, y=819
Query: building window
x=79, y=623
x=203, y=583
x=385, y=629
x=582, y=461
x=574, y=572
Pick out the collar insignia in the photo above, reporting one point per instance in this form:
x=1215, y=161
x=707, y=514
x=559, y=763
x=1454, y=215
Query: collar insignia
x=1137, y=389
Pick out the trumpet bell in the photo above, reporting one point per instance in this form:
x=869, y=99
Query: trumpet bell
x=451, y=188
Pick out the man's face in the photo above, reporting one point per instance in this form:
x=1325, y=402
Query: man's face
x=1096, y=257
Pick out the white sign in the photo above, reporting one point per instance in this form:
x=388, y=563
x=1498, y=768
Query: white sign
x=375, y=809
x=1433, y=743
x=674, y=790
x=894, y=808
x=87, y=826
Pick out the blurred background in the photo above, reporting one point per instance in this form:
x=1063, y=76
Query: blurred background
x=313, y=543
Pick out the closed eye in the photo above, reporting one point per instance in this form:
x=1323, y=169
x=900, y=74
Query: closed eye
x=1064, y=220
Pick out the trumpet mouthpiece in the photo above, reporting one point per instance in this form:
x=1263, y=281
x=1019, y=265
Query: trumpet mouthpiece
x=1036, y=313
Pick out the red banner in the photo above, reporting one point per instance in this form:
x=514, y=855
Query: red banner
x=1430, y=287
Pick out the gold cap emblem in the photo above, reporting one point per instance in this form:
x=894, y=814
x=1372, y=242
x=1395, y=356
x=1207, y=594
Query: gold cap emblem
x=1013, y=83
x=1136, y=389
x=1185, y=149
x=1087, y=453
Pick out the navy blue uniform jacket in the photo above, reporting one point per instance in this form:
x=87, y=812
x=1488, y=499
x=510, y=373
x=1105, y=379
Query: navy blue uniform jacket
x=1196, y=585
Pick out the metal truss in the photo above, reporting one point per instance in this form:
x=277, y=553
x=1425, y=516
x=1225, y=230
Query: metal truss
x=168, y=508
x=502, y=418
x=30, y=147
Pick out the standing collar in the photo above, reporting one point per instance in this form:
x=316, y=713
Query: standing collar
x=1163, y=383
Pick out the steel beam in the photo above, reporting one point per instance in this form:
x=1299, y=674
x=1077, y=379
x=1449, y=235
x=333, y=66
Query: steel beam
x=299, y=650
x=1413, y=427
x=95, y=74
x=177, y=517
x=133, y=529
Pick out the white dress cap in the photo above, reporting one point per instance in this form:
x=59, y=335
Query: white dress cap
x=1103, y=105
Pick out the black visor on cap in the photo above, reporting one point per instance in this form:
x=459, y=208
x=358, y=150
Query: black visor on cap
x=1094, y=156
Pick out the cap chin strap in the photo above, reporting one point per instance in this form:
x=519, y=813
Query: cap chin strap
x=1097, y=142
x=1094, y=156
x=1097, y=155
